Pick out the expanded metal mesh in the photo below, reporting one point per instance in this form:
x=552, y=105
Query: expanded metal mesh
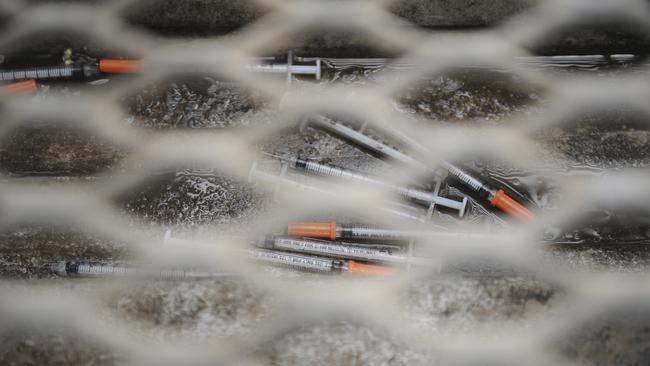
x=326, y=316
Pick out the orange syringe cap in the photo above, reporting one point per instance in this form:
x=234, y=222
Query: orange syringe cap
x=22, y=87
x=120, y=66
x=361, y=269
x=513, y=208
x=322, y=230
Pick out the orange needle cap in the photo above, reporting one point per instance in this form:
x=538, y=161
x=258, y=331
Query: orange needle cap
x=23, y=87
x=360, y=269
x=120, y=66
x=513, y=208
x=323, y=230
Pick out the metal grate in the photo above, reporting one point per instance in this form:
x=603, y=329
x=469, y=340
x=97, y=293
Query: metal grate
x=507, y=292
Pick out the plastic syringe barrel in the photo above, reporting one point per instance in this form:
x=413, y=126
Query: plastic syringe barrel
x=284, y=68
x=367, y=142
x=356, y=232
x=333, y=231
x=319, y=264
x=337, y=250
x=498, y=199
x=77, y=71
x=256, y=174
x=344, y=174
x=81, y=269
x=300, y=261
x=304, y=262
x=469, y=181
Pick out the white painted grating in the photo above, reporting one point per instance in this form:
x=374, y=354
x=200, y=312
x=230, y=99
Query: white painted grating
x=314, y=307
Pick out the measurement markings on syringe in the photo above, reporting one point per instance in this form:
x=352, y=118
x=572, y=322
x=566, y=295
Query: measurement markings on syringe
x=320, y=264
x=339, y=250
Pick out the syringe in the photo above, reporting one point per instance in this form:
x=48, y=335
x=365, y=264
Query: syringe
x=92, y=69
x=255, y=174
x=320, y=264
x=430, y=198
x=83, y=269
x=368, y=142
x=334, y=231
x=302, y=262
x=290, y=68
x=85, y=70
x=498, y=198
x=366, y=253
x=298, y=261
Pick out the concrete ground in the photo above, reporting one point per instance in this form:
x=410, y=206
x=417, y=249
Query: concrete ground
x=463, y=299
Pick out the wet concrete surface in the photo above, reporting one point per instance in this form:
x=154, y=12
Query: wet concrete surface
x=57, y=151
x=618, y=335
x=37, y=347
x=28, y=251
x=471, y=96
x=193, y=200
x=227, y=310
x=186, y=200
x=592, y=141
x=195, y=102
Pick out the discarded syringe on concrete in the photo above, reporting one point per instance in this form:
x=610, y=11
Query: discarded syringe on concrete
x=83, y=70
x=286, y=259
x=86, y=269
x=430, y=198
x=281, y=180
x=91, y=69
x=335, y=231
x=366, y=253
x=319, y=264
x=498, y=198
